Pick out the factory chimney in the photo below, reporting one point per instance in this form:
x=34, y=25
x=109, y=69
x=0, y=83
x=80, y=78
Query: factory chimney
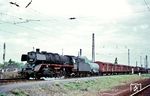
x=80, y=52
x=128, y=57
x=93, y=48
x=146, y=61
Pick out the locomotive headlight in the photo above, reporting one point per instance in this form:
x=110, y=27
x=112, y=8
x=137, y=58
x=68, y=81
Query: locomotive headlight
x=32, y=55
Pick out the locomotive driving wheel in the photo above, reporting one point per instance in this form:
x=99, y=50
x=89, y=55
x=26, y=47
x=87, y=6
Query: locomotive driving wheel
x=26, y=76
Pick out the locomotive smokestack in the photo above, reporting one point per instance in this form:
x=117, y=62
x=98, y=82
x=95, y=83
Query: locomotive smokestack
x=93, y=47
x=37, y=50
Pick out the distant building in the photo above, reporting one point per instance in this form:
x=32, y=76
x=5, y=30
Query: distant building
x=1, y=70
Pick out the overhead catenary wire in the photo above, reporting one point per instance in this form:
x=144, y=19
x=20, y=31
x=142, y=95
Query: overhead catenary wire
x=39, y=13
x=26, y=26
x=24, y=20
x=147, y=5
x=21, y=20
x=34, y=33
x=23, y=28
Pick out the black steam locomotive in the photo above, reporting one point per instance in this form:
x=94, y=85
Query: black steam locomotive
x=45, y=64
x=46, y=58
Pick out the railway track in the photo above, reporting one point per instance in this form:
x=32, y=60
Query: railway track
x=145, y=91
x=19, y=80
x=16, y=80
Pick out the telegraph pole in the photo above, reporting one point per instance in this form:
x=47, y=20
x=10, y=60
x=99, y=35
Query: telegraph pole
x=146, y=61
x=4, y=52
x=136, y=63
x=128, y=57
x=80, y=53
x=93, y=47
x=116, y=61
x=141, y=61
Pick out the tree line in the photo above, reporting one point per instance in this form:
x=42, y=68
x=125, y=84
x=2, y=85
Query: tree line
x=11, y=64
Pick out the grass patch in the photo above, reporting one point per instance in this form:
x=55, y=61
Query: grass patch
x=102, y=83
x=18, y=92
x=146, y=75
x=2, y=94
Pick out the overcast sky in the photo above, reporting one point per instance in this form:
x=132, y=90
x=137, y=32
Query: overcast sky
x=118, y=25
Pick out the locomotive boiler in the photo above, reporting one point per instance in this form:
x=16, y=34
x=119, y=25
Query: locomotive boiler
x=46, y=58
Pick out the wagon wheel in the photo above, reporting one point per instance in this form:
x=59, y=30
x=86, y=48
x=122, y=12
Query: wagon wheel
x=37, y=76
